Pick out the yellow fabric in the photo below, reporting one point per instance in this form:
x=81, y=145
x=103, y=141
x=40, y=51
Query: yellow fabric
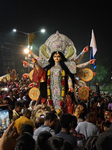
x=58, y=111
x=20, y=121
x=63, y=73
x=48, y=92
x=48, y=72
x=62, y=93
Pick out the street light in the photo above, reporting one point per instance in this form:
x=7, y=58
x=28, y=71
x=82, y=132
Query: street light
x=26, y=51
x=42, y=30
x=14, y=30
x=29, y=47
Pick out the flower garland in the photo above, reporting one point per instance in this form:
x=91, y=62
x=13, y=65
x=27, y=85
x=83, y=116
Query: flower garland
x=62, y=92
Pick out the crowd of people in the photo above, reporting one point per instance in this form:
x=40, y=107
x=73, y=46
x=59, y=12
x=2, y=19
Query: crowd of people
x=88, y=128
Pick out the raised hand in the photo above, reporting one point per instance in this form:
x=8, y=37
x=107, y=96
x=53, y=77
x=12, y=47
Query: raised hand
x=8, y=139
x=25, y=63
x=86, y=49
x=92, y=61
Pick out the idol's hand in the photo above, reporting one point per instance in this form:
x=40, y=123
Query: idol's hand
x=25, y=63
x=92, y=61
x=86, y=49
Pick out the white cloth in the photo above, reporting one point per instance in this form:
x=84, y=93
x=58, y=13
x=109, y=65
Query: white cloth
x=41, y=129
x=19, y=99
x=87, y=128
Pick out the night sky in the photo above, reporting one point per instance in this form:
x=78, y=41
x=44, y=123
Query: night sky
x=73, y=19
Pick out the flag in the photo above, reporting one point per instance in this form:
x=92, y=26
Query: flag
x=93, y=48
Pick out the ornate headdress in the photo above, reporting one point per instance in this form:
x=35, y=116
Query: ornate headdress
x=57, y=42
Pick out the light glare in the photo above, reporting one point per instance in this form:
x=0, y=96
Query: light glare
x=43, y=30
x=14, y=30
x=26, y=51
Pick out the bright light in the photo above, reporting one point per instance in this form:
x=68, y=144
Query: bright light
x=43, y=30
x=14, y=30
x=28, y=46
x=26, y=51
x=31, y=47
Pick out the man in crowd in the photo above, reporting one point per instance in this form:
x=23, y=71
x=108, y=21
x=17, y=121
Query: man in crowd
x=66, y=124
x=104, y=140
x=80, y=137
x=17, y=110
x=50, y=122
x=87, y=127
x=80, y=111
x=25, y=119
x=5, y=101
x=108, y=115
x=12, y=100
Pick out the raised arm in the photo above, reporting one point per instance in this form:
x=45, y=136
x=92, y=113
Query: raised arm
x=80, y=56
x=33, y=55
x=26, y=64
x=86, y=63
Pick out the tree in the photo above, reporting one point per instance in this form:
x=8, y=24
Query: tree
x=102, y=75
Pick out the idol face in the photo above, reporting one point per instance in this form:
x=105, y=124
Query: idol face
x=57, y=57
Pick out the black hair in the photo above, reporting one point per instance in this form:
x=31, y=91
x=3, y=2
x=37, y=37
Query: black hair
x=90, y=115
x=108, y=110
x=52, y=62
x=94, y=100
x=39, y=122
x=7, y=98
x=64, y=67
x=110, y=100
x=18, y=104
x=83, y=104
x=90, y=143
x=65, y=120
x=57, y=143
x=24, y=92
x=10, y=90
x=26, y=128
x=50, y=116
x=57, y=127
x=82, y=115
x=104, y=141
x=33, y=103
x=74, y=122
x=26, y=103
x=42, y=138
x=25, y=142
x=107, y=124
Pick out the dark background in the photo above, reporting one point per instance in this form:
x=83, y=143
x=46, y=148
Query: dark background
x=71, y=18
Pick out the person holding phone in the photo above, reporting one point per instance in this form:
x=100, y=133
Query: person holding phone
x=8, y=140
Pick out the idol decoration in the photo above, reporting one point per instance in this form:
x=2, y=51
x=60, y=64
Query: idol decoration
x=57, y=67
x=10, y=76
